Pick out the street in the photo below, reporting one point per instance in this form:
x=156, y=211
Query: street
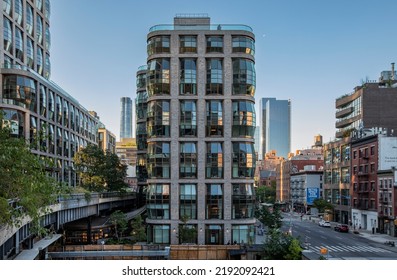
x=339, y=245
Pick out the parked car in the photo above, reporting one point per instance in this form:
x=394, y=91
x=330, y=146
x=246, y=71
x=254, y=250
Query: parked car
x=323, y=223
x=341, y=228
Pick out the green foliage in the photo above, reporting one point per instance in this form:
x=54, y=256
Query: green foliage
x=186, y=233
x=269, y=217
x=322, y=205
x=25, y=187
x=120, y=222
x=138, y=229
x=281, y=246
x=266, y=194
x=100, y=171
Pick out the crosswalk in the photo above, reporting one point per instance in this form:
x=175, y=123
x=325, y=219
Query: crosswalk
x=345, y=248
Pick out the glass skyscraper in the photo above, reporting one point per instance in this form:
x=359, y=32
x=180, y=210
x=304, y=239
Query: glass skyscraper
x=126, y=118
x=275, y=126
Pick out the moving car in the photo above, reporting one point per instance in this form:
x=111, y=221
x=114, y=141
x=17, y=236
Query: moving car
x=323, y=223
x=341, y=228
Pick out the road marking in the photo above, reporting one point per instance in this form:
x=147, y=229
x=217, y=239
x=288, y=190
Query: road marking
x=344, y=248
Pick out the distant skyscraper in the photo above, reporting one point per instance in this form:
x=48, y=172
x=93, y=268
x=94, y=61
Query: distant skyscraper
x=257, y=138
x=275, y=117
x=126, y=118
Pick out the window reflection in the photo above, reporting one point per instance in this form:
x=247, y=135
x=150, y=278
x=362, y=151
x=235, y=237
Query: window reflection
x=244, y=79
x=214, y=83
x=244, y=118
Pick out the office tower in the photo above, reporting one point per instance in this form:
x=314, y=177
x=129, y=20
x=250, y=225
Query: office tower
x=200, y=131
x=126, y=118
x=31, y=102
x=275, y=117
x=257, y=138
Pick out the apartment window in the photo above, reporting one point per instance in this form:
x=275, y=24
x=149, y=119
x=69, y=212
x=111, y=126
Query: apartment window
x=214, y=201
x=158, y=45
x=39, y=61
x=7, y=34
x=244, y=77
x=243, y=44
x=141, y=136
x=188, y=201
x=188, y=44
x=159, y=234
x=372, y=167
x=158, y=160
x=158, y=118
x=372, y=186
x=188, y=76
x=354, y=154
x=243, y=200
x=39, y=29
x=214, y=113
x=29, y=19
x=214, y=44
x=141, y=105
x=158, y=76
x=372, y=150
x=18, y=44
x=214, y=83
x=214, y=160
x=20, y=91
x=158, y=201
x=243, y=160
x=18, y=11
x=244, y=119
x=7, y=4
x=188, y=118
x=59, y=109
x=188, y=160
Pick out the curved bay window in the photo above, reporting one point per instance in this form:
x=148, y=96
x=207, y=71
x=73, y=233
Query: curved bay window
x=214, y=202
x=158, y=118
x=158, y=160
x=188, y=76
x=214, y=234
x=47, y=37
x=51, y=139
x=243, y=44
x=65, y=113
x=39, y=29
x=18, y=44
x=188, y=160
x=243, y=200
x=18, y=11
x=14, y=121
x=29, y=19
x=7, y=35
x=244, y=118
x=158, y=76
x=141, y=105
x=29, y=53
x=39, y=61
x=159, y=234
x=51, y=105
x=141, y=171
x=214, y=44
x=7, y=4
x=244, y=79
x=141, y=80
x=158, y=201
x=243, y=160
x=59, y=109
x=243, y=234
x=158, y=45
x=72, y=118
x=43, y=134
x=33, y=132
x=188, y=201
x=214, y=160
x=214, y=124
x=188, y=118
x=214, y=83
x=188, y=44
x=20, y=91
x=141, y=136
x=59, y=141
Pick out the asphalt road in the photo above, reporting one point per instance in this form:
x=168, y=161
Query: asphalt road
x=339, y=245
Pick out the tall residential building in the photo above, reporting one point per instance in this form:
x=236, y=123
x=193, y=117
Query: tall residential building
x=275, y=123
x=200, y=124
x=126, y=118
x=30, y=101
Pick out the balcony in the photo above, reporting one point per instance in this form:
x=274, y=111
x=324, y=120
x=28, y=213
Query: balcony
x=343, y=123
x=343, y=113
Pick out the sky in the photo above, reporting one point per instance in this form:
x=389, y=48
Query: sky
x=308, y=51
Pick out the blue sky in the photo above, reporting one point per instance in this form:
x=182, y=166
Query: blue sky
x=308, y=51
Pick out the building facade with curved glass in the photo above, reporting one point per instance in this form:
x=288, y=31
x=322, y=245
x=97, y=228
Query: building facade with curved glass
x=33, y=106
x=200, y=124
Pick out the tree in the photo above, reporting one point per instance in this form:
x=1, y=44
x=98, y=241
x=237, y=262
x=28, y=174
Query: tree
x=26, y=189
x=270, y=218
x=119, y=220
x=281, y=246
x=187, y=233
x=138, y=229
x=266, y=194
x=100, y=171
x=322, y=205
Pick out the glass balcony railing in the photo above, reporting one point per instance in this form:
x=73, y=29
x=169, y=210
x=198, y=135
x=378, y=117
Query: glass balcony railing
x=239, y=27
